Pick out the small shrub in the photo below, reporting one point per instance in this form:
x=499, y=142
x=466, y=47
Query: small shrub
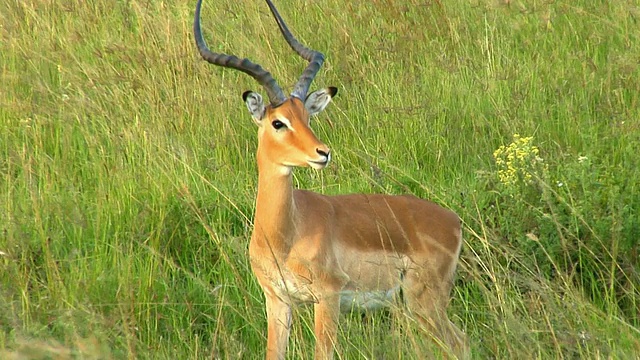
x=571, y=218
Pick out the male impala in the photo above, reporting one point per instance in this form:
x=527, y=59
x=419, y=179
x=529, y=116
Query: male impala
x=332, y=251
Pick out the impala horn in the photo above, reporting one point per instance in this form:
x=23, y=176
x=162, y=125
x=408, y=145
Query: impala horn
x=276, y=96
x=315, y=58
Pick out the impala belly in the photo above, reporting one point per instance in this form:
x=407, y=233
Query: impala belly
x=375, y=279
x=367, y=300
x=296, y=292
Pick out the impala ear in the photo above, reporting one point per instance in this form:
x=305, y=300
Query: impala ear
x=255, y=105
x=318, y=100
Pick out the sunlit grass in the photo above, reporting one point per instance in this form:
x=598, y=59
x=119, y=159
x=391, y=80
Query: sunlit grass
x=127, y=171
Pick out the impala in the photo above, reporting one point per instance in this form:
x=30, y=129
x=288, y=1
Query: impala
x=346, y=251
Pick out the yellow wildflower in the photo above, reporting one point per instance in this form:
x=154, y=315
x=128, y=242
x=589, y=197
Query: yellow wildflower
x=518, y=161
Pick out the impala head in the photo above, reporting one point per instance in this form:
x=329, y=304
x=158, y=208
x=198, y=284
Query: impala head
x=284, y=135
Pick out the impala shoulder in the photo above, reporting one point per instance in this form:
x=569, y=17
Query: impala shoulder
x=309, y=196
x=308, y=202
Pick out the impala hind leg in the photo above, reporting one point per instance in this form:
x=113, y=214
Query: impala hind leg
x=427, y=300
x=279, y=327
x=326, y=316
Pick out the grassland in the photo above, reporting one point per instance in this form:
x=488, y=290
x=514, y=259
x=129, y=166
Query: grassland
x=127, y=170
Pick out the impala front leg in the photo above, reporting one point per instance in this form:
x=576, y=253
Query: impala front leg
x=327, y=312
x=279, y=326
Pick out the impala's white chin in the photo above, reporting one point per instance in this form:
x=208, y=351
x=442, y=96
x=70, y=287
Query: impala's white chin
x=318, y=165
x=321, y=163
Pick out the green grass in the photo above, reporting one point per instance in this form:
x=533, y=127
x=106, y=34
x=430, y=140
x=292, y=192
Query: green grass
x=127, y=170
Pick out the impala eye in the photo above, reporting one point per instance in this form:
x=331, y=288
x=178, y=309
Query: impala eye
x=277, y=124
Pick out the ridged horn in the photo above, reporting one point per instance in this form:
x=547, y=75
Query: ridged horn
x=315, y=58
x=264, y=78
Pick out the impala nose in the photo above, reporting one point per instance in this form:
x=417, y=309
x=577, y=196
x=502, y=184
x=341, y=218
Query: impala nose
x=325, y=157
x=324, y=152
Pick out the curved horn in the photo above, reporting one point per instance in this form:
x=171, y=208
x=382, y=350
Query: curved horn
x=315, y=58
x=276, y=96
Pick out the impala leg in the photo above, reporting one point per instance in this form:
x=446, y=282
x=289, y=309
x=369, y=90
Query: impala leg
x=428, y=300
x=326, y=316
x=279, y=326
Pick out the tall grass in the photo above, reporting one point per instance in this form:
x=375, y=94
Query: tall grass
x=128, y=172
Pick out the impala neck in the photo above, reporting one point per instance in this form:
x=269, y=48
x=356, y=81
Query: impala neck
x=274, y=217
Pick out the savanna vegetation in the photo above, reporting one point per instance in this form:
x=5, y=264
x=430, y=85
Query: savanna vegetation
x=127, y=170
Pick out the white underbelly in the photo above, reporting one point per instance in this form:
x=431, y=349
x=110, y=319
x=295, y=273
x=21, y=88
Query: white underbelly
x=367, y=300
